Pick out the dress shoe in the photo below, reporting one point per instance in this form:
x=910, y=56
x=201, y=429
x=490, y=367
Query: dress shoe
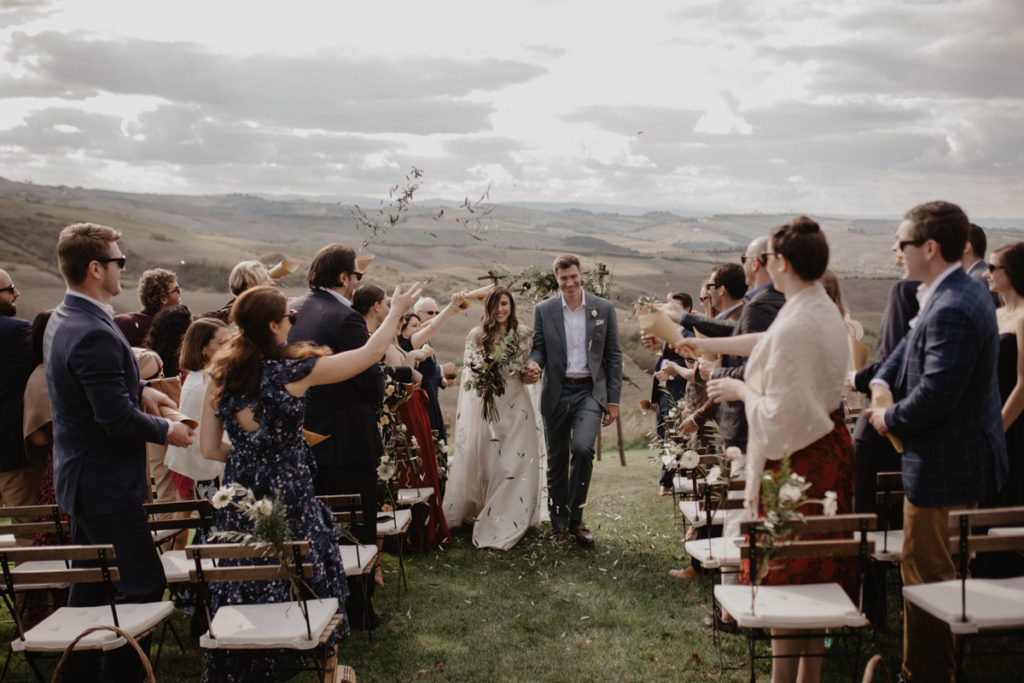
x=665, y=491
x=684, y=573
x=558, y=533
x=582, y=534
x=724, y=626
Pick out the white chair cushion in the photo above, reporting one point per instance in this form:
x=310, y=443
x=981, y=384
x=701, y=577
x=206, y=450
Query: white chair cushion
x=682, y=484
x=164, y=534
x=177, y=565
x=414, y=496
x=40, y=566
x=811, y=606
x=271, y=625
x=888, y=546
x=714, y=553
x=56, y=632
x=7, y=541
x=1006, y=530
x=698, y=518
x=991, y=603
x=397, y=522
x=357, y=559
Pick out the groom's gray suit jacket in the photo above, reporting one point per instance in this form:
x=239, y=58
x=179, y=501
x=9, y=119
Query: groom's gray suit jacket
x=604, y=355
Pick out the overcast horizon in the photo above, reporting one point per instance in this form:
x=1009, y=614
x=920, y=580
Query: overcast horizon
x=860, y=108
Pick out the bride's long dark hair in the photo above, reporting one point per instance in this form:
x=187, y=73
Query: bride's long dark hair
x=491, y=327
x=236, y=367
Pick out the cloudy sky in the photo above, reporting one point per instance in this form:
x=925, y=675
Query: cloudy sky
x=862, y=107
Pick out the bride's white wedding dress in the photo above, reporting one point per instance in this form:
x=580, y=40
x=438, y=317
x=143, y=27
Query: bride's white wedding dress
x=497, y=471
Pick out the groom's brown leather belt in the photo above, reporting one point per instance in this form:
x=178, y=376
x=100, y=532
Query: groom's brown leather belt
x=576, y=380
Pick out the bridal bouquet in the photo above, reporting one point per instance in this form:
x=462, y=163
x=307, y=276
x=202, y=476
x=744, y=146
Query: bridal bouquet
x=490, y=371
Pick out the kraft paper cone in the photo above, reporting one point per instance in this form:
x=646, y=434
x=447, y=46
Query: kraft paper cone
x=363, y=262
x=480, y=293
x=428, y=349
x=645, y=404
x=175, y=416
x=312, y=438
x=707, y=355
x=285, y=267
x=661, y=326
x=885, y=402
x=464, y=305
x=858, y=353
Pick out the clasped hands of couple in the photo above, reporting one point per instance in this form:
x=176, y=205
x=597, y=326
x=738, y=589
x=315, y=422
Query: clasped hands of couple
x=531, y=375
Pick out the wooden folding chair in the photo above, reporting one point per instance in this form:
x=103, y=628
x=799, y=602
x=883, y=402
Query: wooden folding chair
x=56, y=633
x=359, y=559
x=885, y=558
x=817, y=609
x=977, y=608
x=304, y=626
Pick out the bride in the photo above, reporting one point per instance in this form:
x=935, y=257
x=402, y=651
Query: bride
x=497, y=468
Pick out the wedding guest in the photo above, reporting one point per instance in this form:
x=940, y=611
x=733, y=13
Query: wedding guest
x=1005, y=277
x=941, y=386
x=196, y=477
x=497, y=465
x=158, y=289
x=100, y=432
x=37, y=427
x=791, y=391
x=580, y=393
x=429, y=529
x=431, y=320
x=19, y=480
x=165, y=335
x=706, y=303
x=257, y=394
x=973, y=259
x=244, y=275
x=345, y=412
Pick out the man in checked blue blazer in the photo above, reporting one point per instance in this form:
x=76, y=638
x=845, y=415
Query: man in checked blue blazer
x=576, y=345
x=946, y=410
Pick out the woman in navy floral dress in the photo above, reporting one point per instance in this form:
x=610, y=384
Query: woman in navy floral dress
x=257, y=393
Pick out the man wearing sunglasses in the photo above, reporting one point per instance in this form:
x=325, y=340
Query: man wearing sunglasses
x=941, y=387
x=346, y=412
x=19, y=483
x=100, y=433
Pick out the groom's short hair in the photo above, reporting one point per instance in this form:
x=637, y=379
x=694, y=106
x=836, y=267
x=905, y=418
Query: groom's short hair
x=328, y=265
x=566, y=261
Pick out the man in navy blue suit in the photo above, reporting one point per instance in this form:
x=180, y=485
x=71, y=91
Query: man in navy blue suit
x=100, y=431
x=942, y=377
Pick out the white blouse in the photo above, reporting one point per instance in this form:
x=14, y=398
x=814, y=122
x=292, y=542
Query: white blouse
x=795, y=379
x=189, y=460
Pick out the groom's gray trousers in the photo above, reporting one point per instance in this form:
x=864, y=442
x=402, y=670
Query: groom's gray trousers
x=571, y=430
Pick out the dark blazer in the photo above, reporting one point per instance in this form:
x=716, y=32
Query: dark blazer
x=712, y=327
x=15, y=367
x=99, y=428
x=947, y=410
x=604, y=355
x=345, y=412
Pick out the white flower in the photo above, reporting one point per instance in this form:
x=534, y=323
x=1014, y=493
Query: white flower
x=689, y=460
x=385, y=471
x=715, y=475
x=668, y=460
x=831, y=503
x=675, y=449
x=264, y=507
x=788, y=493
x=593, y=312
x=442, y=446
x=413, y=443
x=223, y=496
x=733, y=452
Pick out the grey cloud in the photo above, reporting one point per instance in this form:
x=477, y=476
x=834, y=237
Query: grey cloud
x=663, y=123
x=328, y=91
x=793, y=119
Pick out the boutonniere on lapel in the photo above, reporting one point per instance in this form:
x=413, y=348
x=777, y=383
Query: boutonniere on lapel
x=593, y=314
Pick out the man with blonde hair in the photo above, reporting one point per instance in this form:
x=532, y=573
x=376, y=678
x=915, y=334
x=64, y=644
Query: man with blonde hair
x=243, y=276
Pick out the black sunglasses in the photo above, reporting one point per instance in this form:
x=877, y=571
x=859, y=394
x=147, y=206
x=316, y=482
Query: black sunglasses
x=10, y=287
x=713, y=284
x=903, y=244
x=293, y=316
x=991, y=268
x=119, y=260
x=430, y=312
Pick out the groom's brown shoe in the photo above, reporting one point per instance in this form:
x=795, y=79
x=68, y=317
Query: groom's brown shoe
x=582, y=534
x=557, y=533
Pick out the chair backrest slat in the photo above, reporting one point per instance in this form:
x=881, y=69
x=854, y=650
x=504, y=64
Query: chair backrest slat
x=56, y=552
x=984, y=543
x=251, y=572
x=238, y=551
x=836, y=547
x=341, y=501
x=1007, y=516
x=76, y=575
x=821, y=524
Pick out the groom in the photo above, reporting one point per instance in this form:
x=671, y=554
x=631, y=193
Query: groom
x=576, y=340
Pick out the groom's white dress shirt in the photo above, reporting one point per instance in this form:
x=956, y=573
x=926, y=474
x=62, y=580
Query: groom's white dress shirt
x=576, y=339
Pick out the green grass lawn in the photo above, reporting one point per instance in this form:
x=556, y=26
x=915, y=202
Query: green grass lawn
x=545, y=612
